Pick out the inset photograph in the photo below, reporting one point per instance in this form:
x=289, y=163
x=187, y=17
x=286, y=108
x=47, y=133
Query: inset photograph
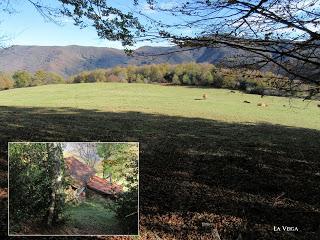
x=73, y=188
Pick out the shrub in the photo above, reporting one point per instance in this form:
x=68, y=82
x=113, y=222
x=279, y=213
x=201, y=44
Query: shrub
x=22, y=79
x=54, y=78
x=139, y=78
x=206, y=78
x=80, y=78
x=113, y=78
x=127, y=211
x=43, y=78
x=242, y=84
x=6, y=81
x=176, y=80
x=186, y=79
x=229, y=81
x=96, y=76
x=218, y=81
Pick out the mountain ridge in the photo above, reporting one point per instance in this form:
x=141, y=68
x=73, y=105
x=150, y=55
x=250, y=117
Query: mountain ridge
x=72, y=59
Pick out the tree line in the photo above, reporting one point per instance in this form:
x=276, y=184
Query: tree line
x=195, y=74
x=24, y=78
x=192, y=74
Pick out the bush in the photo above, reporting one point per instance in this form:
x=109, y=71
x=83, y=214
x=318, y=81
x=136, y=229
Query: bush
x=176, y=80
x=229, y=81
x=186, y=79
x=80, y=78
x=127, y=211
x=206, y=78
x=96, y=76
x=53, y=78
x=22, y=79
x=44, y=78
x=6, y=81
x=218, y=81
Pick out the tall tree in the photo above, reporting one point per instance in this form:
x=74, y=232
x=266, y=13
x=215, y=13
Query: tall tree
x=36, y=183
x=121, y=159
x=55, y=159
x=116, y=157
x=22, y=79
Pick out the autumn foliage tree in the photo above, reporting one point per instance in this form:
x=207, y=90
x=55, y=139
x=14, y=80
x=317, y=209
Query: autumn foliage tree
x=121, y=161
x=6, y=81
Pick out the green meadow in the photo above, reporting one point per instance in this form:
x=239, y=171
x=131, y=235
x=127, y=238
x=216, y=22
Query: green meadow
x=221, y=104
x=91, y=217
x=241, y=167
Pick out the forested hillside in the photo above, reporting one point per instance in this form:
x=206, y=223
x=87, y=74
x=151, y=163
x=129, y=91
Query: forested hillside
x=69, y=60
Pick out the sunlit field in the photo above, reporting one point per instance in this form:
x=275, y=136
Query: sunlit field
x=221, y=104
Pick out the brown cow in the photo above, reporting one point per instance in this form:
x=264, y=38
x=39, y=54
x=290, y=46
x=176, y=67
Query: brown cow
x=204, y=96
x=262, y=104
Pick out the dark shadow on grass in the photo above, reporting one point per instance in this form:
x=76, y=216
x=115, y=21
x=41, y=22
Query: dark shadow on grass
x=194, y=170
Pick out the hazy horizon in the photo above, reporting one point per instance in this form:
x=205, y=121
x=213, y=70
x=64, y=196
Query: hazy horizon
x=78, y=45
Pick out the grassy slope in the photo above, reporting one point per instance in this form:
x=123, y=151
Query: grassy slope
x=92, y=218
x=198, y=162
x=175, y=101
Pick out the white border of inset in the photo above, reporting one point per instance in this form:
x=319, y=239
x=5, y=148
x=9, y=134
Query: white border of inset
x=60, y=235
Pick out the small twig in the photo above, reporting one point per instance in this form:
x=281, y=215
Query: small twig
x=131, y=214
x=276, y=200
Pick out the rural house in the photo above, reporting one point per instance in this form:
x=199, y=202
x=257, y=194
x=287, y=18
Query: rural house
x=83, y=178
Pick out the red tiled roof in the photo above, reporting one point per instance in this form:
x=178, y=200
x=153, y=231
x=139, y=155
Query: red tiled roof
x=79, y=171
x=103, y=186
x=83, y=173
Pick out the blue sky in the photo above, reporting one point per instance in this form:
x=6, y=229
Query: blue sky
x=28, y=27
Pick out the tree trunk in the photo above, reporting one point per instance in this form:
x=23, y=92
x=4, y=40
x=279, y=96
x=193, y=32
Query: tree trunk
x=54, y=156
x=51, y=208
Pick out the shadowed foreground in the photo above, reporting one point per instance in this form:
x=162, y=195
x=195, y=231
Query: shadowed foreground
x=241, y=178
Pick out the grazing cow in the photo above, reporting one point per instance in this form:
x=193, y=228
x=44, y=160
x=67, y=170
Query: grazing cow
x=204, y=96
x=245, y=101
x=262, y=104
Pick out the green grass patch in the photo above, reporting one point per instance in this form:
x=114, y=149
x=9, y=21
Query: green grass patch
x=93, y=217
x=174, y=101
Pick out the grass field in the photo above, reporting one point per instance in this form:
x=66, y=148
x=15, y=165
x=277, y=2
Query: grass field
x=174, y=101
x=240, y=167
